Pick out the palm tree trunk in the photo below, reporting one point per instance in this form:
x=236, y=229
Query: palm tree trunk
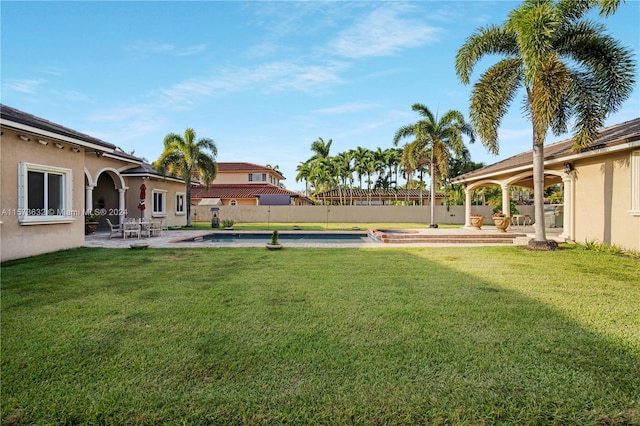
x=433, y=187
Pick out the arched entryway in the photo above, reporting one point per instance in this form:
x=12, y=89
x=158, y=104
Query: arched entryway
x=525, y=180
x=106, y=194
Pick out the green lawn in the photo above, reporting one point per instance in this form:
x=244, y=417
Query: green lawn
x=484, y=335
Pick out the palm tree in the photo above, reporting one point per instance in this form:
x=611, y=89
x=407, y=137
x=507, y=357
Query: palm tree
x=320, y=149
x=568, y=67
x=304, y=173
x=439, y=137
x=189, y=158
x=343, y=170
x=360, y=156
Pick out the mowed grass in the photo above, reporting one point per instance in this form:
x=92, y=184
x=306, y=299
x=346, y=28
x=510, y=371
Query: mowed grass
x=484, y=335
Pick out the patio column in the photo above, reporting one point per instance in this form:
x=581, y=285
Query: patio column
x=88, y=198
x=467, y=208
x=506, y=203
x=121, y=207
x=568, y=207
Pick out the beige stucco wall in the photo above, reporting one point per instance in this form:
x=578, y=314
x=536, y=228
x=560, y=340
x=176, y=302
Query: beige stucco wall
x=243, y=177
x=602, y=202
x=346, y=214
x=132, y=199
x=27, y=240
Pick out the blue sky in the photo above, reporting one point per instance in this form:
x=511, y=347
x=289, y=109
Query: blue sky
x=262, y=79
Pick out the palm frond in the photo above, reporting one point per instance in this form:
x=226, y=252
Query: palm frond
x=485, y=41
x=491, y=98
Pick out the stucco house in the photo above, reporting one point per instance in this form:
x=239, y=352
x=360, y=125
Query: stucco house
x=601, y=184
x=246, y=184
x=52, y=175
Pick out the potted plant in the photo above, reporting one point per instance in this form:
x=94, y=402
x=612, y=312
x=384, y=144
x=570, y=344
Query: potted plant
x=501, y=221
x=91, y=222
x=228, y=224
x=274, y=244
x=477, y=220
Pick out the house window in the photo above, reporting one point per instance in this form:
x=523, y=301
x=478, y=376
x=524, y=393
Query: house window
x=44, y=194
x=233, y=203
x=180, y=203
x=159, y=202
x=257, y=177
x=635, y=183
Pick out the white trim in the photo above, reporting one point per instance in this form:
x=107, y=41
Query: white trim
x=66, y=215
x=634, y=170
x=184, y=204
x=46, y=133
x=151, y=176
x=163, y=212
x=551, y=162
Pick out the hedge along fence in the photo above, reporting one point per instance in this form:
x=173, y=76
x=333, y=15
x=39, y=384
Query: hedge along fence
x=346, y=214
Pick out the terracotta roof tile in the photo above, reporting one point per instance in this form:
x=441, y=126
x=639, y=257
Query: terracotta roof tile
x=244, y=167
x=362, y=193
x=250, y=190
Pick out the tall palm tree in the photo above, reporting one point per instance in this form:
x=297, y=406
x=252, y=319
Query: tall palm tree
x=568, y=68
x=320, y=149
x=304, y=173
x=360, y=156
x=440, y=137
x=189, y=157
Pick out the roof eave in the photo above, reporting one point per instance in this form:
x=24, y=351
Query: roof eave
x=629, y=144
x=46, y=133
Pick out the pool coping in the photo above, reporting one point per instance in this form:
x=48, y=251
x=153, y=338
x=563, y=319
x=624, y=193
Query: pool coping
x=175, y=239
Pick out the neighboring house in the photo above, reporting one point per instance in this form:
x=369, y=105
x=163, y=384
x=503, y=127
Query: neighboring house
x=377, y=197
x=52, y=175
x=246, y=184
x=601, y=184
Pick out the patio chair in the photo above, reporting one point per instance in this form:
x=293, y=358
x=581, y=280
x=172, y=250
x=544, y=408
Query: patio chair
x=115, y=229
x=155, y=228
x=130, y=228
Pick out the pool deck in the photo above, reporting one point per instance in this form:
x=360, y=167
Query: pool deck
x=175, y=239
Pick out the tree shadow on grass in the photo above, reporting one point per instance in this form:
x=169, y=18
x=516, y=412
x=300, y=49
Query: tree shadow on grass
x=307, y=336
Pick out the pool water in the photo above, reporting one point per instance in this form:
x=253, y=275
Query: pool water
x=297, y=237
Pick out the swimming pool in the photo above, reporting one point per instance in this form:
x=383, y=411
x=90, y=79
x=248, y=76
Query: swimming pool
x=284, y=237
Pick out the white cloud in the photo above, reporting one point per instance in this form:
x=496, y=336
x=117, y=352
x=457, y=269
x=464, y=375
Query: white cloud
x=267, y=78
x=151, y=47
x=346, y=108
x=191, y=50
x=168, y=48
x=26, y=85
x=383, y=33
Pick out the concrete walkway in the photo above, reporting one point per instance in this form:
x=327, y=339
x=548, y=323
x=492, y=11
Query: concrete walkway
x=175, y=239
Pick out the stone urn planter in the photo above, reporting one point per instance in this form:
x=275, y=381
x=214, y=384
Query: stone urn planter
x=90, y=227
x=502, y=223
x=274, y=244
x=477, y=221
x=91, y=223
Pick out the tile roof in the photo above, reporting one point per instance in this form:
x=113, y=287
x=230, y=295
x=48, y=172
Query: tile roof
x=618, y=134
x=247, y=190
x=375, y=193
x=11, y=114
x=245, y=167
